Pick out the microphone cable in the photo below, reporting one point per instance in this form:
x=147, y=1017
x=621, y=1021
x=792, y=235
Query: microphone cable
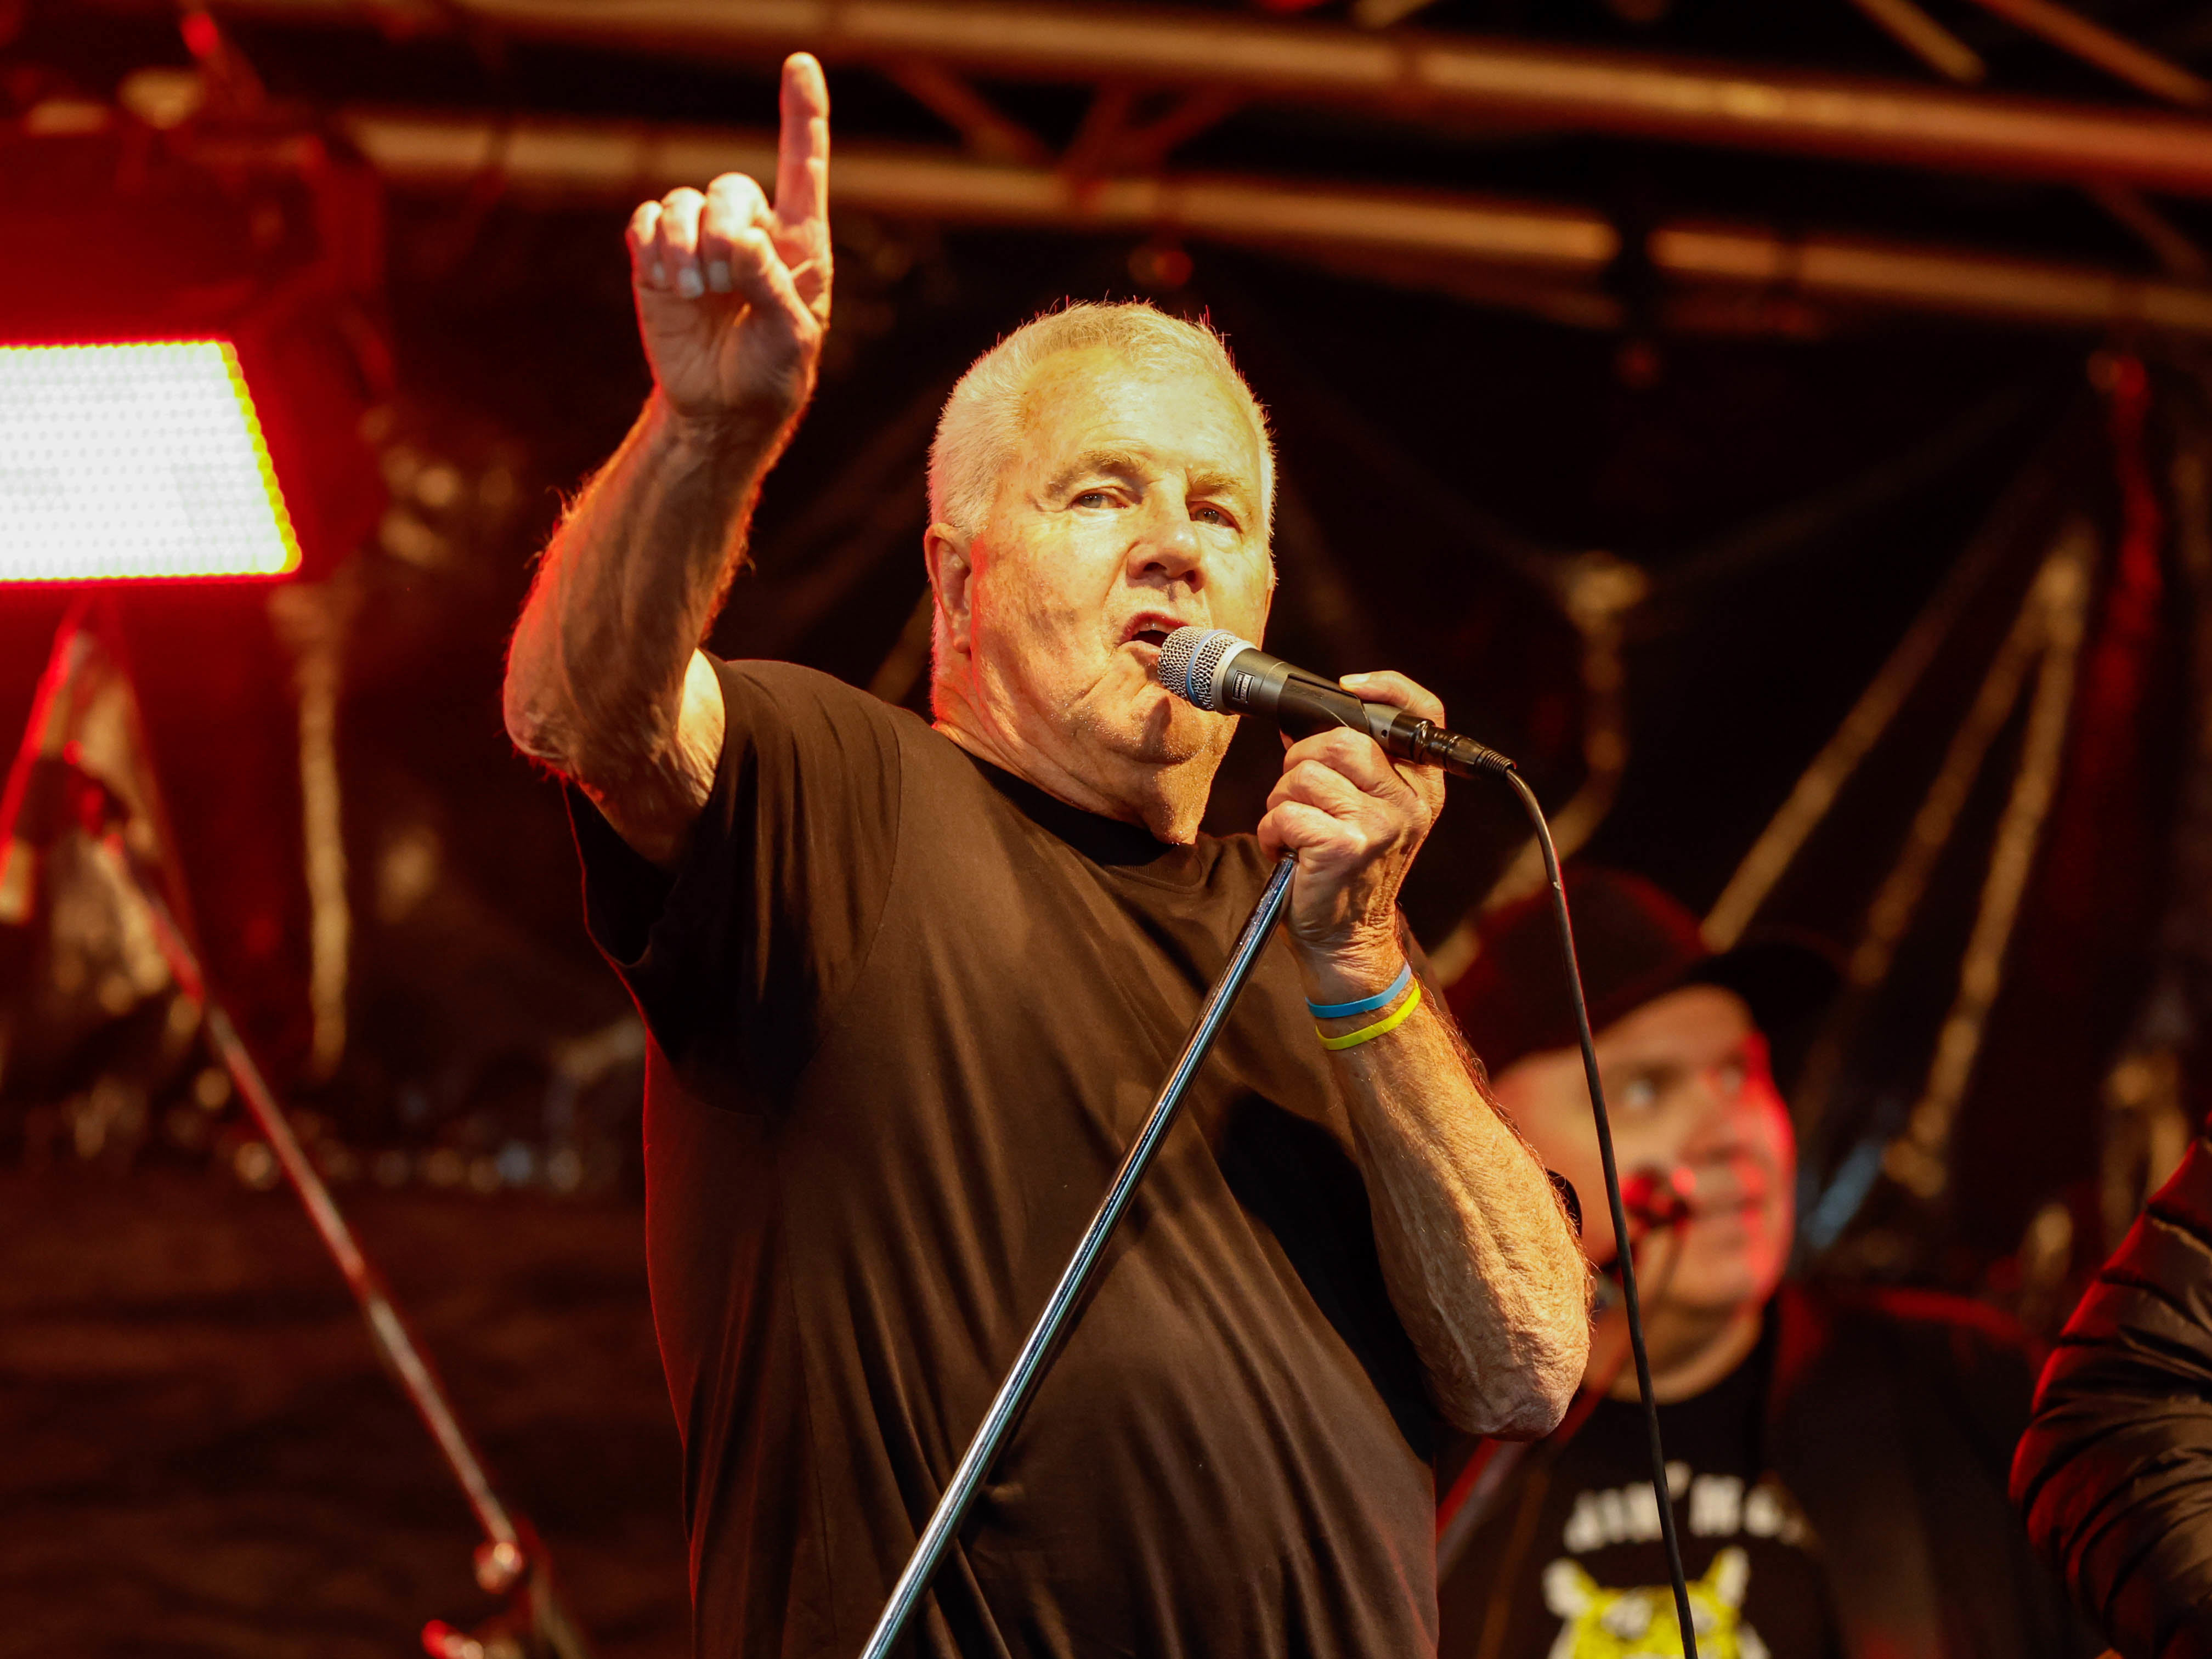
x=1475, y=1498
x=1630, y=1303
x=1215, y=670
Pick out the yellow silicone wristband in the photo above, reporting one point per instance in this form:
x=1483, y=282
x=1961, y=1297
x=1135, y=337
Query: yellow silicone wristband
x=1383, y=1027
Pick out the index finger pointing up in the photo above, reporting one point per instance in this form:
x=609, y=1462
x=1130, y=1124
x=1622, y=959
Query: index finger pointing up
x=802, y=158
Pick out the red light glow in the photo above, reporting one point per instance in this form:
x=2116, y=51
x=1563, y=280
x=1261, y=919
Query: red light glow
x=137, y=461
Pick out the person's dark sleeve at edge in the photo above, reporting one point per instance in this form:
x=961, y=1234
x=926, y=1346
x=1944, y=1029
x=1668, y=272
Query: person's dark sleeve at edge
x=2114, y=1475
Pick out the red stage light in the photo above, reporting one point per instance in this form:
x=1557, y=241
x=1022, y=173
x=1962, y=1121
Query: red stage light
x=135, y=461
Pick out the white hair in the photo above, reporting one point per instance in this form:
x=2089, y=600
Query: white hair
x=981, y=425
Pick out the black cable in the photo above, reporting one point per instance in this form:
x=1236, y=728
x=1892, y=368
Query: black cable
x=1629, y=1303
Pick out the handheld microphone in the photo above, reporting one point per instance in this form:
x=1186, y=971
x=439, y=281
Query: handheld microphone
x=1214, y=669
x=1657, y=1199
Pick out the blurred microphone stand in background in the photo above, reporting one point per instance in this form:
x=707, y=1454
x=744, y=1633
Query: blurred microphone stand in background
x=49, y=793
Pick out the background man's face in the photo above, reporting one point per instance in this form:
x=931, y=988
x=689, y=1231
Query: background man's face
x=1133, y=506
x=1687, y=1079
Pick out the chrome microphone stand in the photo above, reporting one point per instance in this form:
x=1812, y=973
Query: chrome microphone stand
x=1059, y=1307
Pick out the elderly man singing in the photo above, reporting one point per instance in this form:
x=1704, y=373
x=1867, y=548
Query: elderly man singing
x=911, y=988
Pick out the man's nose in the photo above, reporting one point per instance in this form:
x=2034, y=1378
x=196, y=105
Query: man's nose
x=1726, y=1123
x=1166, y=541
x=1712, y=1123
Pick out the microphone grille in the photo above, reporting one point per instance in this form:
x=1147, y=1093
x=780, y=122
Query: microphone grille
x=1188, y=660
x=1172, y=671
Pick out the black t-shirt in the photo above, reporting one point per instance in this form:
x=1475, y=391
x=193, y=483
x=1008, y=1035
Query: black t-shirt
x=1569, y=1565
x=907, y=1013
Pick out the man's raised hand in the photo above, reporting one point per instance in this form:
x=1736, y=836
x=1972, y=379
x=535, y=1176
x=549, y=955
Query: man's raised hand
x=733, y=295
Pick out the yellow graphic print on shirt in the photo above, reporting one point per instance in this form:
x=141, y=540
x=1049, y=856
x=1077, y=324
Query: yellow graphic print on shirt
x=1640, y=1623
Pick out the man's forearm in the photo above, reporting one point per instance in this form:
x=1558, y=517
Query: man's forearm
x=632, y=579
x=1480, y=1261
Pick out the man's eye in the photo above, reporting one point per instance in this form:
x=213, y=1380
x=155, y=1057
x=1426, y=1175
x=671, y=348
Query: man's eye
x=1094, y=498
x=1640, y=1093
x=1213, y=515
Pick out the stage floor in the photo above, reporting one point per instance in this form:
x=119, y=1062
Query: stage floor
x=202, y=1455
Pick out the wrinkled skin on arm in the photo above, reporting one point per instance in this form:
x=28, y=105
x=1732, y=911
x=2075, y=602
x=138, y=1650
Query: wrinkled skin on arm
x=604, y=682
x=1482, y=1265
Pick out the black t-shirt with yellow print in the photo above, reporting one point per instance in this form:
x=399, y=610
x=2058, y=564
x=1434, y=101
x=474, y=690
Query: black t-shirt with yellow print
x=1569, y=1564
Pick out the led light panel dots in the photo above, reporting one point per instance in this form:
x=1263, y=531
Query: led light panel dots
x=135, y=461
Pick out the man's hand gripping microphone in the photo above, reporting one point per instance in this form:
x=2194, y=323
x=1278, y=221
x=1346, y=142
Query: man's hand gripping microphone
x=1214, y=669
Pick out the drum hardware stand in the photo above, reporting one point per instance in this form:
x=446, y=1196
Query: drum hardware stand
x=511, y=1561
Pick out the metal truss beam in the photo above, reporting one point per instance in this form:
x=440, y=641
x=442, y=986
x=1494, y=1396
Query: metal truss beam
x=623, y=161
x=1400, y=73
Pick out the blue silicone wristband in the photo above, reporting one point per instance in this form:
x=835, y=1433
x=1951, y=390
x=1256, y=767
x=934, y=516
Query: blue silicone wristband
x=1365, y=1004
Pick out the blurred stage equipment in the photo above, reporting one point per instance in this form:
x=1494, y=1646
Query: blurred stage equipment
x=2068, y=614
x=137, y=460
x=80, y=785
x=1304, y=62
x=147, y=460
x=221, y=218
x=1161, y=78
x=52, y=794
x=1449, y=239
x=2148, y=1117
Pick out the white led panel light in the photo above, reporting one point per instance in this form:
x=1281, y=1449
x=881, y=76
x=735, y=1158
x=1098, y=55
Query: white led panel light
x=143, y=460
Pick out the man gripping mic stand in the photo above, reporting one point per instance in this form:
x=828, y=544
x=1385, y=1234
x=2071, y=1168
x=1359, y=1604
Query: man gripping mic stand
x=909, y=987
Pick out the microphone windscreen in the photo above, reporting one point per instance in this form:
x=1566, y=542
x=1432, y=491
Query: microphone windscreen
x=1189, y=660
x=1658, y=1198
x=1172, y=671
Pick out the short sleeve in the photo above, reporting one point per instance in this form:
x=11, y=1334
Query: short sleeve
x=739, y=956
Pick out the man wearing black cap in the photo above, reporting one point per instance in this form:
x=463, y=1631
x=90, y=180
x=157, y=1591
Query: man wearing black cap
x=1837, y=1462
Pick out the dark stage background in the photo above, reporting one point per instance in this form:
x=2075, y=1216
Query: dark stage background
x=1656, y=552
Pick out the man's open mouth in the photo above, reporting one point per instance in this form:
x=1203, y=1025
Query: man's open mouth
x=1150, y=630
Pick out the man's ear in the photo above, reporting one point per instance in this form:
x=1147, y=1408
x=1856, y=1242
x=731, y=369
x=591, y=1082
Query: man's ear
x=952, y=573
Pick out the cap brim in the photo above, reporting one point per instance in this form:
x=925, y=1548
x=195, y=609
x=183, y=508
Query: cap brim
x=1787, y=982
